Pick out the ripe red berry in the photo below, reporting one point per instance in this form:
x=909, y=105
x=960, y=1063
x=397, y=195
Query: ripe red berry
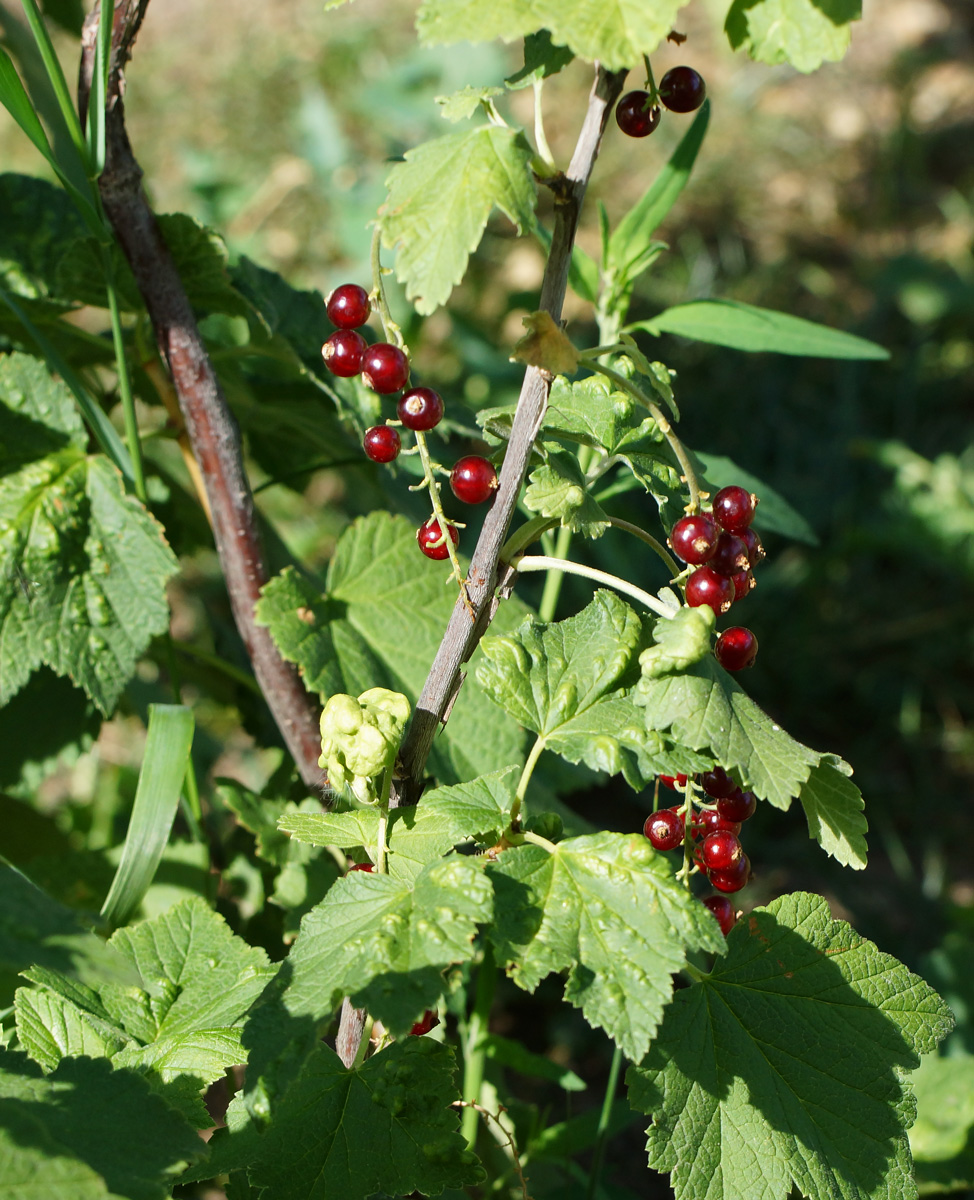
x=721, y=850
x=755, y=549
x=709, y=820
x=736, y=648
x=671, y=781
x=348, y=306
x=705, y=586
x=743, y=582
x=738, y=806
x=717, y=783
x=344, y=352
x=682, y=90
x=635, y=115
x=729, y=556
x=429, y=535
x=369, y=867
x=385, y=368
x=694, y=538
x=723, y=910
x=473, y=479
x=733, y=879
x=382, y=443
x=420, y=409
x=734, y=508
x=427, y=1021
x=664, y=829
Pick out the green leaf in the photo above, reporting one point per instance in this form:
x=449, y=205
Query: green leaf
x=774, y=514
x=379, y=624
x=296, y=317
x=617, y=33
x=168, y=742
x=945, y=1110
x=805, y=33
x=606, y=909
x=179, y=1068
x=16, y=101
x=440, y=22
x=384, y=1127
x=464, y=103
x=783, y=1068
x=833, y=807
x=39, y=224
x=50, y=1027
x=558, y=489
x=439, y=200
x=542, y=58
x=747, y=327
x=96, y=1124
x=34, y=749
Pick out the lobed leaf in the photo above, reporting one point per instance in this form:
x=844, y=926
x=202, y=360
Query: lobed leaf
x=804, y=33
x=558, y=489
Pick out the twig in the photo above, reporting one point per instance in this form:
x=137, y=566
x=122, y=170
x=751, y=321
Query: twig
x=508, y=1138
x=209, y=423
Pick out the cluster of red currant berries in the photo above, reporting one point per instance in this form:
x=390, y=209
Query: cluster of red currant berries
x=681, y=90
x=385, y=369
x=715, y=831
x=725, y=549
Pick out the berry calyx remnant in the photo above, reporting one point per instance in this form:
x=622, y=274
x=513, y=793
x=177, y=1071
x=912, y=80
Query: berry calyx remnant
x=344, y=352
x=420, y=409
x=385, y=368
x=473, y=479
x=734, y=508
x=682, y=89
x=431, y=540
x=723, y=910
x=348, y=306
x=755, y=548
x=736, y=648
x=664, y=829
x=721, y=850
x=382, y=443
x=706, y=586
x=738, y=806
x=694, y=538
x=635, y=115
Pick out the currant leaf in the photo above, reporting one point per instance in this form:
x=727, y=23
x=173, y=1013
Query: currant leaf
x=558, y=489
x=833, y=807
x=784, y=1067
x=942, y=1140
x=461, y=105
x=799, y=32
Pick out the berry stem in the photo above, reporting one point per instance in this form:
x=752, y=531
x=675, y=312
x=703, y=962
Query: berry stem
x=381, y=846
x=540, y=140
x=537, y=840
x=364, y=1044
x=390, y=329
x=429, y=481
x=636, y=531
x=650, y=81
x=541, y=562
x=522, y=784
x=474, y=1054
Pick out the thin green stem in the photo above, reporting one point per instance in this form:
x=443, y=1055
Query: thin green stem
x=429, y=479
x=636, y=531
x=56, y=76
x=219, y=664
x=391, y=330
x=602, y=1133
x=522, y=784
x=650, y=81
x=364, y=1044
x=540, y=140
x=474, y=1054
x=531, y=531
x=555, y=578
x=541, y=562
x=381, y=844
x=124, y=381
x=537, y=840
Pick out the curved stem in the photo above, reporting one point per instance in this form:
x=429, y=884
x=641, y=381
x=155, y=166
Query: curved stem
x=541, y=562
x=553, y=581
x=390, y=329
x=636, y=531
x=524, y=535
x=540, y=140
x=522, y=784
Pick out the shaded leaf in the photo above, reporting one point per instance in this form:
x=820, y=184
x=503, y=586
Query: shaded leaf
x=558, y=489
x=804, y=33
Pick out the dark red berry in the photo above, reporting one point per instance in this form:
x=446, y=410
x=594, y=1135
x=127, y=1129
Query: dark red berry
x=473, y=479
x=664, y=829
x=348, y=306
x=344, y=353
x=733, y=879
x=709, y=820
x=738, y=806
x=743, y=582
x=382, y=443
x=721, y=850
x=427, y=1021
x=723, y=910
x=671, y=781
x=420, y=409
x=362, y=867
x=385, y=368
x=682, y=90
x=635, y=115
x=729, y=556
x=429, y=535
x=736, y=648
x=694, y=538
x=706, y=586
x=734, y=508
x=717, y=783
x=755, y=550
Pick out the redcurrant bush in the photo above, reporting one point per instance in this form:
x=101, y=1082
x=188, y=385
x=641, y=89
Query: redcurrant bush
x=723, y=910
x=736, y=648
x=706, y=586
x=473, y=479
x=420, y=409
x=344, y=353
x=635, y=115
x=385, y=368
x=348, y=306
x=429, y=535
x=734, y=508
x=664, y=829
x=682, y=89
x=694, y=538
x=382, y=443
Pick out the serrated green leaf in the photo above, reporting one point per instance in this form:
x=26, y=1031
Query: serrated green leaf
x=833, y=807
x=558, y=489
x=385, y=1127
x=39, y=223
x=784, y=1066
x=606, y=908
x=774, y=514
x=380, y=624
x=617, y=33
x=107, y=1121
x=50, y=1028
x=542, y=58
x=805, y=33
x=34, y=749
x=440, y=22
x=747, y=327
x=464, y=103
x=439, y=200
x=295, y=316
x=594, y=413
x=945, y=1113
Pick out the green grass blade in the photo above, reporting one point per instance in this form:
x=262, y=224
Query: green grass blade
x=54, y=73
x=167, y=749
x=14, y=98
x=99, y=90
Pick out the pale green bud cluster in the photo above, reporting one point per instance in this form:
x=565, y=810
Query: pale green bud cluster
x=360, y=739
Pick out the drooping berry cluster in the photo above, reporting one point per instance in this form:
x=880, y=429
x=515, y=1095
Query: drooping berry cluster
x=681, y=90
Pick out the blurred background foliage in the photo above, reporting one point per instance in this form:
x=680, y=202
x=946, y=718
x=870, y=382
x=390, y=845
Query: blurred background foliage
x=846, y=197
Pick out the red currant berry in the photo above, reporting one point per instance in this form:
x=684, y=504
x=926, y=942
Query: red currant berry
x=738, y=806
x=694, y=538
x=743, y=582
x=709, y=820
x=671, y=781
x=705, y=586
x=664, y=829
x=473, y=479
x=427, y=1021
x=348, y=306
x=369, y=867
x=420, y=409
x=733, y=879
x=635, y=115
x=721, y=850
x=734, y=508
x=723, y=910
x=429, y=535
x=343, y=353
x=385, y=368
x=729, y=556
x=382, y=443
x=717, y=783
x=736, y=648
x=755, y=550
x=682, y=90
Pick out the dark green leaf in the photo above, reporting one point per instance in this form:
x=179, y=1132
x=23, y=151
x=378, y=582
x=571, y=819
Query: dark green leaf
x=295, y=316
x=39, y=224
x=541, y=59
x=558, y=489
x=514, y=1055
x=32, y=748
